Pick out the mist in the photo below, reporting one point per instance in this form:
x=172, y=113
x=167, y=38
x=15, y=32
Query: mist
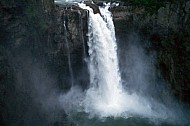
x=32, y=91
x=145, y=92
x=140, y=76
x=124, y=81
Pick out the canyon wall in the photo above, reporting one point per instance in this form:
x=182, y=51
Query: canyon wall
x=165, y=32
x=43, y=49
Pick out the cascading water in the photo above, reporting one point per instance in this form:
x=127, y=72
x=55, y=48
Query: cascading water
x=106, y=96
x=105, y=88
x=81, y=34
x=68, y=50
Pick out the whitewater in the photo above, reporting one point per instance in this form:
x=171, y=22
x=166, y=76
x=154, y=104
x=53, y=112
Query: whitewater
x=105, y=96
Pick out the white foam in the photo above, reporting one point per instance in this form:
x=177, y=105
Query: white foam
x=105, y=97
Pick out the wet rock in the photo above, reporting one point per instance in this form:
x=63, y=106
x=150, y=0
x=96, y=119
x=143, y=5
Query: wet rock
x=166, y=32
x=71, y=38
x=93, y=6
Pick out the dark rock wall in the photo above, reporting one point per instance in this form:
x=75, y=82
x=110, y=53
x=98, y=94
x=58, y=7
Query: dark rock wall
x=71, y=40
x=165, y=32
x=25, y=28
x=43, y=50
x=34, y=61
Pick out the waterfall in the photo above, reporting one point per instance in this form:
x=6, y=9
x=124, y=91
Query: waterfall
x=81, y=34
x=105, y=78
x=68, y=49
x=106, y=97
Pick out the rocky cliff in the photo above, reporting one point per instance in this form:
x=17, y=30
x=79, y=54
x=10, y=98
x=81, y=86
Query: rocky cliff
x=42, y=53
x=26, y=33
x=43, y=50
x=164, y=31
x=71, y=39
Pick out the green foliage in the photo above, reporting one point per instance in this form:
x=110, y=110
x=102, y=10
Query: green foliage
x=36, y=17
x=43, y=26
x=31, y=12
x=151, y=6
x=7, y=3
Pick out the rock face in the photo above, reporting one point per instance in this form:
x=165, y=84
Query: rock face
x=23, y=39
x=43, y=50
x=42, y=53
x=70, y=38
x=165, y=32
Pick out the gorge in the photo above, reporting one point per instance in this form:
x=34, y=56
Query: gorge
x=92, y=63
